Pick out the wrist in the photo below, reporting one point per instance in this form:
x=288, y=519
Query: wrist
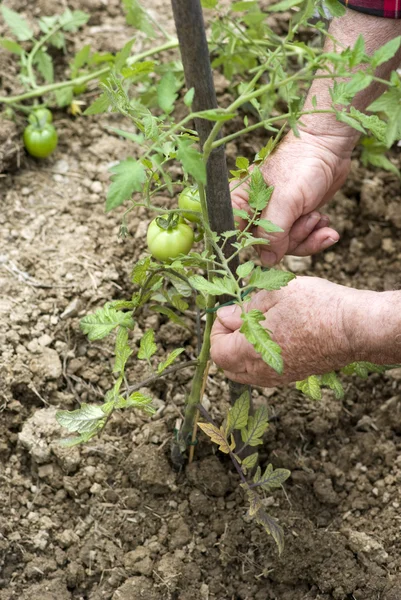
x=373, y=324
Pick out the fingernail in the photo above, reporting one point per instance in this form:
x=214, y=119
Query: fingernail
x=268, y=257
x=226, y=311
x=329, y=242
x=313, y=219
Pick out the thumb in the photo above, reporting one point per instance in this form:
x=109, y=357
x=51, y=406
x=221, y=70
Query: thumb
x=230, y=317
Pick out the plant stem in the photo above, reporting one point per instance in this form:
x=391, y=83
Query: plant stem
x=51, y=87
x=153, y=378
x=194, y=396
x=35, y=50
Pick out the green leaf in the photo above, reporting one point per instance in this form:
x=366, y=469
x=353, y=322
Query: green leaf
x=137, y=400
x=86, y=419
x=189, y=97
x=81, y=58
x=268, y=226
x=122, y=350
x=363, y=368
x=11, y=46
x=271, y=527
x=147, y=347
x=357, y=52
x=271, y=479
x=17, y=24
x=331, y=381
x=273, y=279
x=58, y=40
x=386, y=52
x=99, y=324
x=259, y=192
x=257, y=425
x=345, y=118
x=140, y=271
x=100, y=105
x=141, y=68
x=370, y=122
x=373, y=153
x=73, y=20
x=335, y=7
x=260, y=339
x=249, y=462
x=44, y=64
x=167, y=92
x=137, y=17
x=70, y=442
x=209, y=3
x=283, y=5
x=192, y=160
x=121, y=57
x=128, y=177
x=64, y=96
x=172, y=316
x=245, y=269
x=217, y=114
x=216, y=287
x=242, y=163
x=242, y=214
x=311, y=387
x=238, y=414
x=169, y=360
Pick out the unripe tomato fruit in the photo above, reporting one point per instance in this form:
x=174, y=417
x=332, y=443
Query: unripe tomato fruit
x=40, y=141
x=40, y=116
x=189, y=200
x=168, y=237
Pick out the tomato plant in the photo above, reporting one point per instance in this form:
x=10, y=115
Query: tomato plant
x=267, y=74
x=168, y=237
x=40, y=140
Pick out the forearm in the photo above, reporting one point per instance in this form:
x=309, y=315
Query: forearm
x=373, y=326
x=376, y=32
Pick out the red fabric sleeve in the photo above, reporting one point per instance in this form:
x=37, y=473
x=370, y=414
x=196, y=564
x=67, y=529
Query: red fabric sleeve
x=390, y=9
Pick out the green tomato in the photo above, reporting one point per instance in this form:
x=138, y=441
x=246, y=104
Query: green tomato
x=189, y=200
x=168, y=237
x=40, y=141
x=40, y=116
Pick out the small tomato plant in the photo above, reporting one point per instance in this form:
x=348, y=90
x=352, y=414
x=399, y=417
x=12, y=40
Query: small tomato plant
x=267, y=75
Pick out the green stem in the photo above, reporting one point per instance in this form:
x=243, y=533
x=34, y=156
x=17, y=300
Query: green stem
x=263, y=123
x=51, y=87
x=34, y=51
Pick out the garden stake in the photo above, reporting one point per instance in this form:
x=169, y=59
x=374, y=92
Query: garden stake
x=194, y=50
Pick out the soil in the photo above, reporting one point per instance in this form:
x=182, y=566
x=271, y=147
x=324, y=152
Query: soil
x=112, y=520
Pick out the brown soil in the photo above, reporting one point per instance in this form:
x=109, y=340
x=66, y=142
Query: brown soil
x=112, y=520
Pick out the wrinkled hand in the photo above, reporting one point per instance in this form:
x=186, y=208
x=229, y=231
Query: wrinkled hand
x=311, y=319
x=306, y=172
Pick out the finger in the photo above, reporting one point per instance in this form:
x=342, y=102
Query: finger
x=243, y=378
x=225, y=348
x=319, y=240
x=239, y=200
x=302, y=228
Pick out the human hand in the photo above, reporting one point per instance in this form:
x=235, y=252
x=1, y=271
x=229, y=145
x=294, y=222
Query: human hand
x=316, y=323
x=306, y=172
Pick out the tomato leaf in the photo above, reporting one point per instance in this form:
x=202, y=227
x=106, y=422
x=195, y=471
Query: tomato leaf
x=270, y=280
x=99, y=324
x=192, y=160
x=260, y=339
x=147, y=347
x=128, y=177
x=17, y=24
